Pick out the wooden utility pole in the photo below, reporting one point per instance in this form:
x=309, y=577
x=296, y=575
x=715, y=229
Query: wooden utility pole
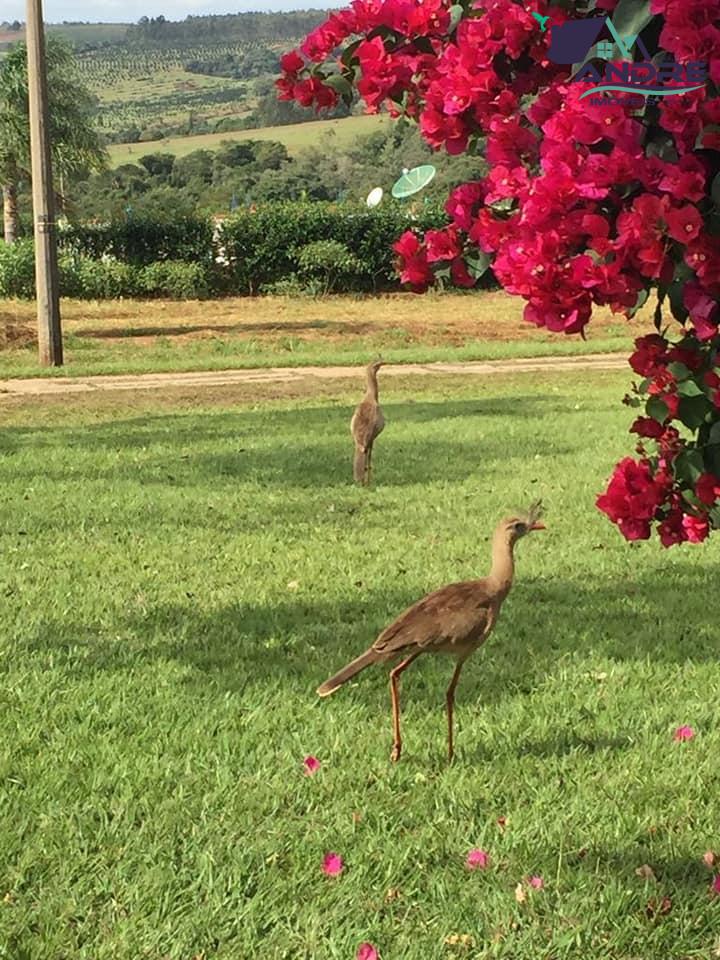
x=46, y=267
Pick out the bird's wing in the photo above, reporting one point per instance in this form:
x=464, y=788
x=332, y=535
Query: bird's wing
x=454, y=615
x=364, y=423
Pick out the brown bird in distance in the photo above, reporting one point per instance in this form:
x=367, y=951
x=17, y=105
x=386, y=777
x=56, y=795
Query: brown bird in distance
x=454, y=620
x=366, y=425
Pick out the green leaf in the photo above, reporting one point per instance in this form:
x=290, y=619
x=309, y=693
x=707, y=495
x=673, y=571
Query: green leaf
x=693, y=411
x=680, y=372
x=715, y=191
x=657, y=409
x=714, y=436
x=424, y=45
x=677, y=303
x=456, y=14
x=689, y=466
x=640, y=302
x=631, y=17
x=688, y=388
x=477, y=265
x=349, y=52
x=715, y=517
x=339, y=84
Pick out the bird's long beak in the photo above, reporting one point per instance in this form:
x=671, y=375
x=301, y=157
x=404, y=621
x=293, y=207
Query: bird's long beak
x=538, y=526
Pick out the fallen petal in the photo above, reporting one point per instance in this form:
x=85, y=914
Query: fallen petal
x=332, y=864
x=715, y=886
x=537, y=883
x=520, y=894
x=709, y=858
x=312, y=765
x=683, y=733
x=477, y=860
x=366, y=951
x=646, y=872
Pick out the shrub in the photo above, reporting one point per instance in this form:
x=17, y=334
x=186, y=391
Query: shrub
x=177, y=280
x=329, y=264
x=17, y=269
x=105, y=279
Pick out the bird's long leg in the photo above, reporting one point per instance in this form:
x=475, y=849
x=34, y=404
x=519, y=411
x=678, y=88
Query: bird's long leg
x=395, y=695
x=450, y=697
x=368, y=463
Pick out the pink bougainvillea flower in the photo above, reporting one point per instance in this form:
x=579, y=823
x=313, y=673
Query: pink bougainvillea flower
x=683, y=733
x=709, y=858
x=715, y=885
x=311, y=765
x=477, y=860
x=332, y=865
x=366, y=951
x=537, y=883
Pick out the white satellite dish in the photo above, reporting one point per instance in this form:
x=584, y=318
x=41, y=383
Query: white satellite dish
x=374, y=197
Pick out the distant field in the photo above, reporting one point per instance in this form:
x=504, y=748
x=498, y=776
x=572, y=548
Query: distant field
x=296, y=137
x=77, y=33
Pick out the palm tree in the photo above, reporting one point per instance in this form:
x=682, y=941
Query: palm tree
x=75, y=144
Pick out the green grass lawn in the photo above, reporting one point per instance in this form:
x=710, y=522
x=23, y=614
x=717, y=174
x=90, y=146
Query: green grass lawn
x=181, y=572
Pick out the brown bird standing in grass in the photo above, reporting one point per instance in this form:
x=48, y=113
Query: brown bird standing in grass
x=455, y=620
x=366, y=425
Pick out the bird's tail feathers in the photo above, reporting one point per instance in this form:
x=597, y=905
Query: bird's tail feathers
x=355, y=666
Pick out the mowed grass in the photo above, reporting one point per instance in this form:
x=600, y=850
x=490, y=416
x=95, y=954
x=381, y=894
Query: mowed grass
x=140, y=337
x=181, y=573
x=295, y=137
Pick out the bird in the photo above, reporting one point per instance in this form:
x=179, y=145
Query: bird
x=542, y=21
x=454, y=620
x=366, y=425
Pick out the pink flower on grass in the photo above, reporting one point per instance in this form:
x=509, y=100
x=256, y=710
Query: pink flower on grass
x=366, y=951
x=477, y=860
x=312, y=765
x=715, y=885
x=537, y=883
x=683, y=733
x=709, y=858
x=332, y=865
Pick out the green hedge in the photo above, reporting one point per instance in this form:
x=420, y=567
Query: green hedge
x=105, y=279
x=312, y=247
x=141, y=241
x=262, y=246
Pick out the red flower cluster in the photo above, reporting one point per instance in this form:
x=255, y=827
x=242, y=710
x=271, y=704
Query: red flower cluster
x=677, y=484
x=588, y=203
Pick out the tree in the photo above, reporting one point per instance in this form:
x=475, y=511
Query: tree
x=590, y=201
x=75, y=144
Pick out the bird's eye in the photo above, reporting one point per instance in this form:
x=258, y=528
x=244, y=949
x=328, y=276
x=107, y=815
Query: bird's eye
x=519, y=527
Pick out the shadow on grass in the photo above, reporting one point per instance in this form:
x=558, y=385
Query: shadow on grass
x=313, y=446
x=298, y=643
x=349, y=328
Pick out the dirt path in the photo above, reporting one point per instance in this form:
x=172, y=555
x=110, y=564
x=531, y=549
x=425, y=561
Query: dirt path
x=220, y=378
